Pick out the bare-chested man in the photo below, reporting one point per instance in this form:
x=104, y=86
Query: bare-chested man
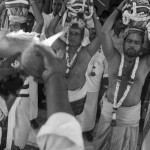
x=119, y=122
x=75, y=73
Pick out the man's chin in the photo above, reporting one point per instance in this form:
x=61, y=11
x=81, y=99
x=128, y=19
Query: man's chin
x=131, y=55
x=56, y=12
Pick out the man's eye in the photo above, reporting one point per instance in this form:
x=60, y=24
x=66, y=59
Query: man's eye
x=137, y=42
x=129, y=41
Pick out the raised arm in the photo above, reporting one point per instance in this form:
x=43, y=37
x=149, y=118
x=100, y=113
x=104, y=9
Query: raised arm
x=96, y=42
x=58, y=44
x=2, y=7
x=106, y=40
x=51, y=28
x=38, y=17
x=46, y=8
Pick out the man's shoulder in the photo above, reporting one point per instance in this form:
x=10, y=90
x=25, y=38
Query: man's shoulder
x=59, y=44
x=84, y=53
x=145, y=60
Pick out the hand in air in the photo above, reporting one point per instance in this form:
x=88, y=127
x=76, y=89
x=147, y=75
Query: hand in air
x=63, y=8
x=122, y=4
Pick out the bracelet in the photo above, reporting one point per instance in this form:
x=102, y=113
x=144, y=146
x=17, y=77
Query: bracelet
x=97, y=18
x=59, y=14
x=118, y=10
x=33, y=1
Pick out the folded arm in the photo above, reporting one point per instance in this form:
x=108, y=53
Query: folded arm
x=2, y=7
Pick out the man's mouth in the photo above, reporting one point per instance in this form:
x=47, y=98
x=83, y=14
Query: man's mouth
x=131, y=52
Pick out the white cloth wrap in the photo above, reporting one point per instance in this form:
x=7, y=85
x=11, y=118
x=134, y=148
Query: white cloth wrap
x=12, y=119
x=77, y=94
x=88, y=116
x=60, y=132
x=24, y=109
x=125, y=115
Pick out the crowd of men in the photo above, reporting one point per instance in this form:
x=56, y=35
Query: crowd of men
x=93, y=83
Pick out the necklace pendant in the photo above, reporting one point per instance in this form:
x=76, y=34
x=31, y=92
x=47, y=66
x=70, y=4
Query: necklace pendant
x=67, y=71
x=67, y=75
x=93, y=74
x=93, y=71
x=113, y=123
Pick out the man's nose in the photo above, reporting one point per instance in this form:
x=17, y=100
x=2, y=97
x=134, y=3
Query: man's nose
x=132, y=44
x=72, y=36
x=56, y=6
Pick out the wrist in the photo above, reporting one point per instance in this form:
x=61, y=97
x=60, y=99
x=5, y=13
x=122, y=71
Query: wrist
x=3, y=4
x=61, y=12
x=32, y=2
x=118, y=10
x=95, y=16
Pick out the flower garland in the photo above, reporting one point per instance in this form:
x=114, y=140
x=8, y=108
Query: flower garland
x=73, y=3
x=135, y=16
x=70, y=64
x=117, y=105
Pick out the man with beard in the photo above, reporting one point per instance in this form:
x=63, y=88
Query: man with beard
x=120, y=115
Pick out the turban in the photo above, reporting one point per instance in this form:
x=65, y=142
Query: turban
x=136, y=13
x=129, y=31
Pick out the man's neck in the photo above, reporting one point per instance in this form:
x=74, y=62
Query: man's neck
x=129, y=59
x=73, y=49
x=55, y=14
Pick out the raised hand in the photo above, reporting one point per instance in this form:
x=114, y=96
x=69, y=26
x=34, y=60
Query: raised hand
x=63, y=8
x=122, y=4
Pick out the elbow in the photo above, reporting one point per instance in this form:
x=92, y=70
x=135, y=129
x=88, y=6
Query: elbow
x=41, y=23
x=39, y=26
x=105, y=31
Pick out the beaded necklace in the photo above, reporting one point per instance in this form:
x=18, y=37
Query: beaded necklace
x=71, y=62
